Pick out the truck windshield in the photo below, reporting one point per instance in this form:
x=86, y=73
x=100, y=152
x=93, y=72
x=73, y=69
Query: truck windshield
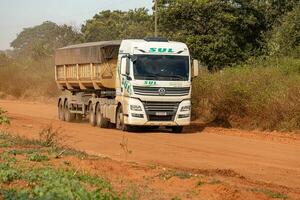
x=161, y=67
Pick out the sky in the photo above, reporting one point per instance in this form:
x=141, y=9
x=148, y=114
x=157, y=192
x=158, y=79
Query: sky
x=18, y=14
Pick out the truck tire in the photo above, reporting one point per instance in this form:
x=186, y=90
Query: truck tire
x=61, y=115
x=177, y=129
x=120, y=120
x=100, y=121
x=69, y=117
x=92, y=117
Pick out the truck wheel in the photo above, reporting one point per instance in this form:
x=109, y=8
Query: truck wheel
x=120, y=120
x=92, y=117
x=69, y=117
x=61, y=111
x=177, y=129
x=101, y=122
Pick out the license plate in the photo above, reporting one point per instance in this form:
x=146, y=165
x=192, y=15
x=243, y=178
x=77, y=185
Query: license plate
x=161, y=113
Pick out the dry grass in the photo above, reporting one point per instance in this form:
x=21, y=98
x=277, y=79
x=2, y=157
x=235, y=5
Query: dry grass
x=27, y=78
x=263, y=95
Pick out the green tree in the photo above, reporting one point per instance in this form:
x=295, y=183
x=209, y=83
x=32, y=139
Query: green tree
x=114, y=25
x=286, y=37
x=273, y=10
x=40, y=41
x=218, y=32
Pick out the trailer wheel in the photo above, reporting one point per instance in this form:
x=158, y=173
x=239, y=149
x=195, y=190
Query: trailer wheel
x=120, y=120
x=69, y=117
x=177, y=129
x=92, y=117
x=61, y=111
x=101, y=122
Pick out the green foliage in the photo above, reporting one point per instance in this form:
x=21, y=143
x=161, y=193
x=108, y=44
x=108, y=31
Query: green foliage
x=275, y=195
x=40, y=41
x=9, y=175
x=50, y=183
x=270, y=193
x=179, y=174
x=219, y=33
x=37, y=157
x=7, y=172
x=286, y=37
x=3, y=119
x=46, y=182
x=262, y=94
x=113, y=25
x=273, y=10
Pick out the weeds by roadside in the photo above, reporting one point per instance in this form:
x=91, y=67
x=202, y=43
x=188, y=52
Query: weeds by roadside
x=20, y=179
x=35, y=79
x=124, y=146
x=259, y=95
x=3, y=118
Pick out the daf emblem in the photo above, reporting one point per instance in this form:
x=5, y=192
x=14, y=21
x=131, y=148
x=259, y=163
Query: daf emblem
x=162, y=91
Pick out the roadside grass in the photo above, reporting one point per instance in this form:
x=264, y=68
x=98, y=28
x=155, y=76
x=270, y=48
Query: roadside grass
x=35, y=78
x=21, y=179
x=270, y=193
x=174, y=173
x=3, y=118
x=262, y=94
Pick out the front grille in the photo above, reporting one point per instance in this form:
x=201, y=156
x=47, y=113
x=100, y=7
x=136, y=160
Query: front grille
x=154, y=91
x=154, y=110
x=160, y=118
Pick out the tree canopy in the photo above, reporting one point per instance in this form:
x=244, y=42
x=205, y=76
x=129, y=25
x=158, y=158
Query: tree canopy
x=114, y=25
x=286, y=36
x=218, y=32
x=40, y=41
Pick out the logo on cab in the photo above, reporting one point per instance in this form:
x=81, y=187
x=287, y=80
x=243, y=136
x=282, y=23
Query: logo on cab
x=162, y=91
x=161, y=50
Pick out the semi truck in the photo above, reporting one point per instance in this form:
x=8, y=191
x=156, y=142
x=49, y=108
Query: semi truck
x=128, y=83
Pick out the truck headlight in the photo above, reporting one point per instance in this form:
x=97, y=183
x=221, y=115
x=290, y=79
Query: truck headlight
x=185, y=108
x=135, y=108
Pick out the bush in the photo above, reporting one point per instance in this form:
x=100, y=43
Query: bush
x=261, y=94
x=3, y=118
x=34, y=78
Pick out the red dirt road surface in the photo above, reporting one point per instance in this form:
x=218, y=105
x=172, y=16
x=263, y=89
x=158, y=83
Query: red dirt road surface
x=269, y=157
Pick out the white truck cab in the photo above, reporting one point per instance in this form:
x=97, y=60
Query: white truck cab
x=154, y=83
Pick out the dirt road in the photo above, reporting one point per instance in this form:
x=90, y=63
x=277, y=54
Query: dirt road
x=273, y=158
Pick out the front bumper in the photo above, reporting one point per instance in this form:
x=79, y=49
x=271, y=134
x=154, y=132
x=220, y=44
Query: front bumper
x=158, y=113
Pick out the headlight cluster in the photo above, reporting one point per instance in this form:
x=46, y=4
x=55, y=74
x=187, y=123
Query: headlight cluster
x=185, y=108
x=135, y=108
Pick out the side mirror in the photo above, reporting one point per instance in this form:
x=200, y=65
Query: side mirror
x=124, y=67
x=195, y=68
